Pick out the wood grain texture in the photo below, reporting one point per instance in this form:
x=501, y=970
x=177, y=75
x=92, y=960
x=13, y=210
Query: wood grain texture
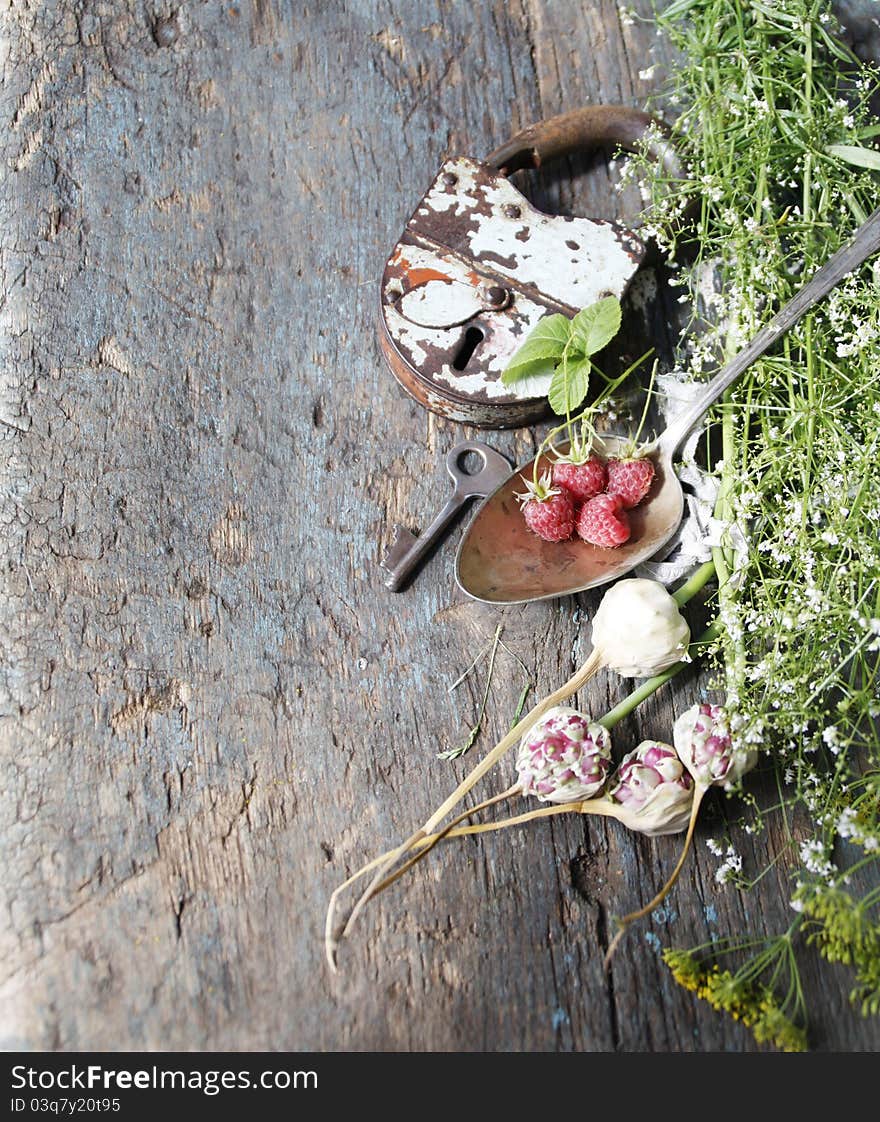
x=211, y=708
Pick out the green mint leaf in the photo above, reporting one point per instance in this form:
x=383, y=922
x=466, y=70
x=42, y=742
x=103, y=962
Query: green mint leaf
x=594, y=327
x=541, y=349
x=569, y=386
x=678, y=8
x=536, y=369
x=858, y=157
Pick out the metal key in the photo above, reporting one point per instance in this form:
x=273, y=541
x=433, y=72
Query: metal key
x=407, y=552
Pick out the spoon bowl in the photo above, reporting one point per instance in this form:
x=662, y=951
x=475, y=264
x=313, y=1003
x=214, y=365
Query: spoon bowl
x=500, y=561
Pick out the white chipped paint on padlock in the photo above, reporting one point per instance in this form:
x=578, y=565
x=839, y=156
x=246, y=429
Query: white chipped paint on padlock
x=478, y=266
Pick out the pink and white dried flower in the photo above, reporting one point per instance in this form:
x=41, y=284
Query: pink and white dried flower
x=653, y=790
x=705, y=746
x=564, y=758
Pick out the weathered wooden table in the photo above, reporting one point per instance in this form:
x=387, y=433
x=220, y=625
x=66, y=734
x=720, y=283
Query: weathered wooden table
x=212, y=709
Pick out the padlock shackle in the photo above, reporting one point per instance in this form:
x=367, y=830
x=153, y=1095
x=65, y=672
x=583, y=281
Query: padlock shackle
x=586, y=129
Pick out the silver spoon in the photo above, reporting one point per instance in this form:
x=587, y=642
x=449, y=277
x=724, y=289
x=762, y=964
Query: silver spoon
x=500, y=561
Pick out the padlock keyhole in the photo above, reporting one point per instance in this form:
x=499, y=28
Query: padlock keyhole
x=472, y=339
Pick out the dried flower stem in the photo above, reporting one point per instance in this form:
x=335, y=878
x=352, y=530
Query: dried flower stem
x=330, y=943
x=424, y=836
x=599, y=806
x=468, y=743
x=699, y=792
x=575, y=682
x=426, y=844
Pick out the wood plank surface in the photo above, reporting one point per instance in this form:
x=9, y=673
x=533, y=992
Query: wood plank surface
x=212, y=710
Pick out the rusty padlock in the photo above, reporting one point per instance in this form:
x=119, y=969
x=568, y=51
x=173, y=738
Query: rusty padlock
x=477, y=266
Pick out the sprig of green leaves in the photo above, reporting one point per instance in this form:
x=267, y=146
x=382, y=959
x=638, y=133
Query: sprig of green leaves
x=563, y=347
x=542, y=349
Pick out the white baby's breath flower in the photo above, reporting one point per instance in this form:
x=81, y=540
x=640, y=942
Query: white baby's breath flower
x=730, y=867
x=815, y=859
x=847, y=825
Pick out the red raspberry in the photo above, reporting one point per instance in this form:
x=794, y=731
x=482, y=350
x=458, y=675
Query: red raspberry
x=630, y=479
x=582, y=481
x=551, y=518
x=603, y=521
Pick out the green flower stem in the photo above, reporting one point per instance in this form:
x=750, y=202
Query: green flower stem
x=694, y=584
x=724, y=507
x=584, y=418
x=723, y=555
x=653, y=684
x=688, y=590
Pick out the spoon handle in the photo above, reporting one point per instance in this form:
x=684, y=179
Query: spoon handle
x=864, y=242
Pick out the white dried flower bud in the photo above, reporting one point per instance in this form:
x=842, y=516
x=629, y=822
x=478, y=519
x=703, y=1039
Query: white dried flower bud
x=564, y=758
x=639, y=630
x=653, y=790
x=704, y=744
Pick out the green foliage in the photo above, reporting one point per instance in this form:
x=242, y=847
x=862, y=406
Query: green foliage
x=856, y=155
x=595, y=326
x=563, y=347
x=774, y=116
x=570, y=385
x=541, y=351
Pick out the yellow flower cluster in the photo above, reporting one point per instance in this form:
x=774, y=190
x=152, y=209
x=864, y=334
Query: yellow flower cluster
x=847, y=933
x=753, y=1004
